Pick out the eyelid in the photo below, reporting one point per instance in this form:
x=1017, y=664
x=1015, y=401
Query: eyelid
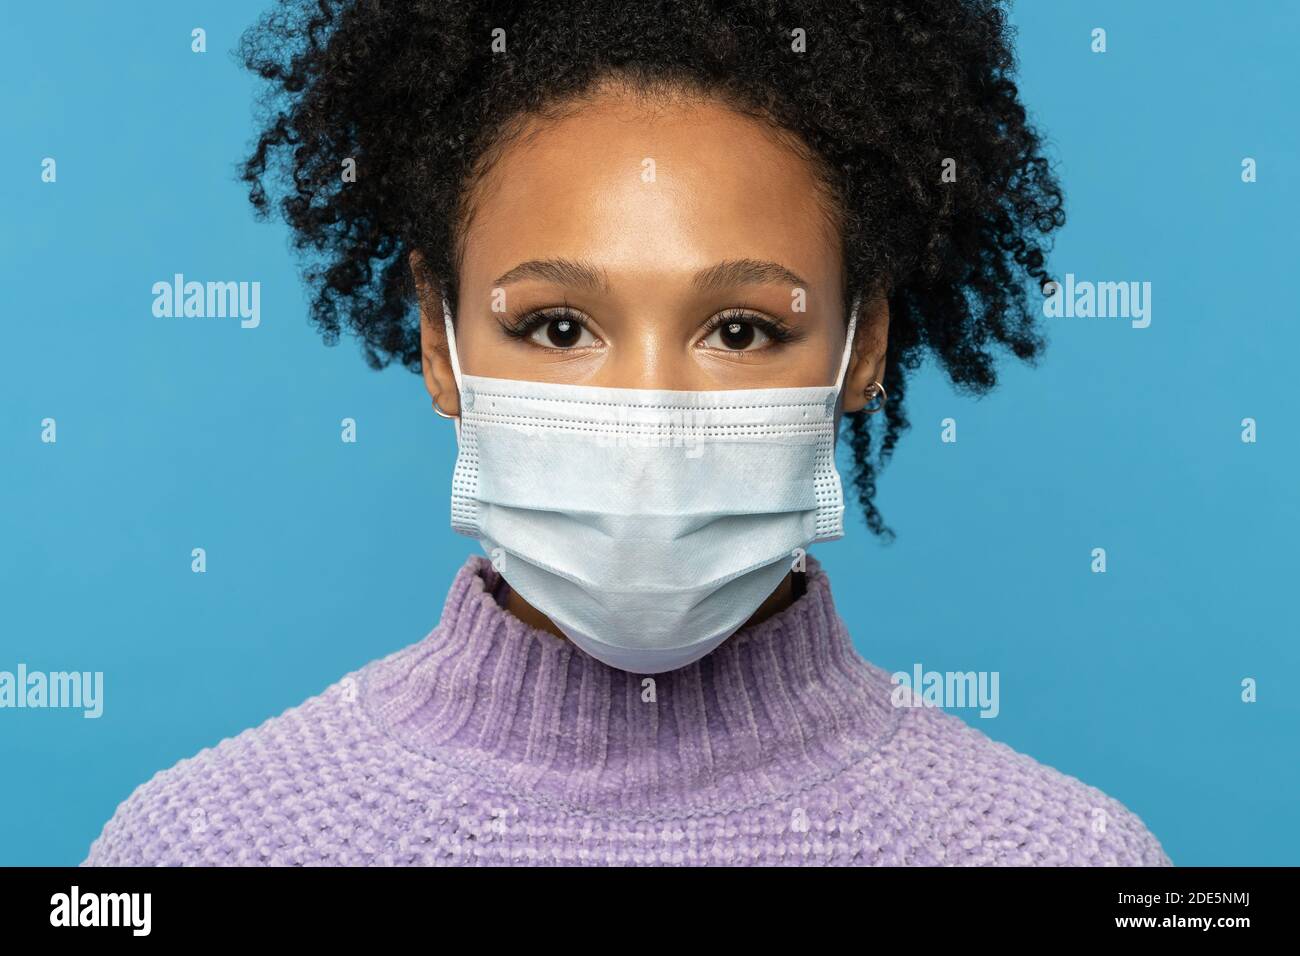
x=774, y=329
x=523, y=325
x=530, y=320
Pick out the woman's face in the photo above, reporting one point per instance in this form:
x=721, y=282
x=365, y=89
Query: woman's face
x=674, y=247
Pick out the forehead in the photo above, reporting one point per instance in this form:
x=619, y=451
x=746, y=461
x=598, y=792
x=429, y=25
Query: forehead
x=626, y=179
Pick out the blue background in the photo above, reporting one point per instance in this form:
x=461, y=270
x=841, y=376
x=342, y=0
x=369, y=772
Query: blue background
x=175, y=434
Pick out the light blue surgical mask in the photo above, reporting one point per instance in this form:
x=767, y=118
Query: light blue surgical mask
x=647, y=524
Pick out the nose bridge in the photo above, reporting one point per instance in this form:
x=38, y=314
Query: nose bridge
x=648, y=354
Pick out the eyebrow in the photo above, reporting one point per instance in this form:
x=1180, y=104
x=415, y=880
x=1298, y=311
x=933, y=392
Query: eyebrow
x=559, y=271
x=744, y=272
x=587, y=276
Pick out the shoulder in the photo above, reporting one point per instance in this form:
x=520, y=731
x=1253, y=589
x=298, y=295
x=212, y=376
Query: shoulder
x=253, y=798
x=973, y=800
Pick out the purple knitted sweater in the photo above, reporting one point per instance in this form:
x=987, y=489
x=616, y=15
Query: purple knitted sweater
x=490, y=742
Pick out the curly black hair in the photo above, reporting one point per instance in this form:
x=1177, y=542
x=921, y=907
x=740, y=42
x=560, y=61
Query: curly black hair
x=883, y=96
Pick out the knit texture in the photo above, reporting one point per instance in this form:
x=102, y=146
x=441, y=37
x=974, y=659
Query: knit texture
x=490, y=742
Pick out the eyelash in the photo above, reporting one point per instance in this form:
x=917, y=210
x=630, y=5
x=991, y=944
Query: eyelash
x=776, y=330
x=522, y=326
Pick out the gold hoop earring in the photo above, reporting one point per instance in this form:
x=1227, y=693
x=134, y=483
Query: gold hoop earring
x=440, y=411
x=873, y=391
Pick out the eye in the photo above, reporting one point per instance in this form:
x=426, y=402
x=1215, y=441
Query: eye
x=562, y=332
x=553, y=329
x=739, y=331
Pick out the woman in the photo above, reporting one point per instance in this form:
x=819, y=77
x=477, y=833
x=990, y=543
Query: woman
x=650, y=260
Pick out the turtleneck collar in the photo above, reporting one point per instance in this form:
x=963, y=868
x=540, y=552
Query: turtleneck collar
x=775, y=708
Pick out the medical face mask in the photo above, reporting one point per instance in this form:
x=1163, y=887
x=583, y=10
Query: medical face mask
x=648, y=524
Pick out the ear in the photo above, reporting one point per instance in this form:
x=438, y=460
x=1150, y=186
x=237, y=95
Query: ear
x=870, y=342
x=435, y=357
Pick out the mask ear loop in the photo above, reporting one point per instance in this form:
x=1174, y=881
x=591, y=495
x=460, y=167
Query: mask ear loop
x=455, y=362
x=848, y=343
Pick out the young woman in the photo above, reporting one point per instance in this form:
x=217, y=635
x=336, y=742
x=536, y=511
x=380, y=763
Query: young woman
x=651, y=260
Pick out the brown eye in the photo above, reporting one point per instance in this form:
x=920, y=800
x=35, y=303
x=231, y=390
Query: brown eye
x=563, y=332
x=737, y=335
x=558, y=332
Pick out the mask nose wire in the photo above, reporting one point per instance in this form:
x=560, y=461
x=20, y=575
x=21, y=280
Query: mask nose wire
x=455, y=362
x=848, y=343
